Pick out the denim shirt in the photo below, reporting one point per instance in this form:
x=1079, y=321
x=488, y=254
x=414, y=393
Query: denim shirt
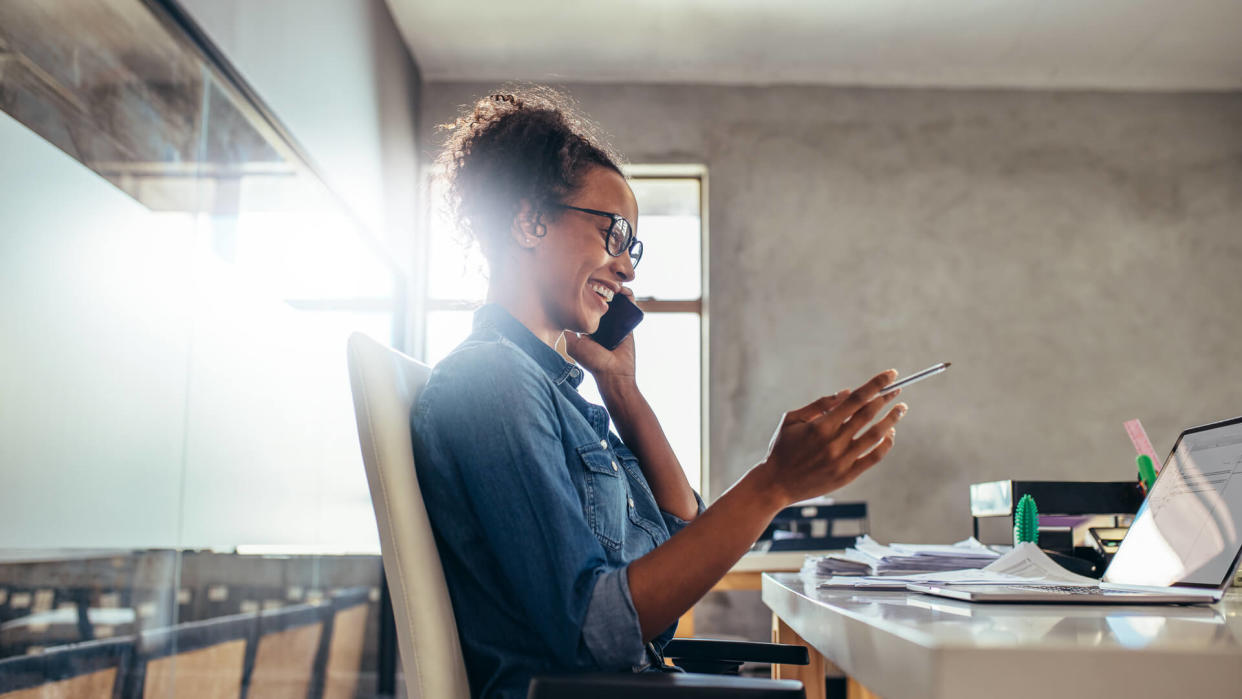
x=537, y=510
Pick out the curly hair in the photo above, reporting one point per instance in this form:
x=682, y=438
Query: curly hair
x=527, y=143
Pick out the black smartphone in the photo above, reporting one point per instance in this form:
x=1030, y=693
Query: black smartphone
x=620, y=320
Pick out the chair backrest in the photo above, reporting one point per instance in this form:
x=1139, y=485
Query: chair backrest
x=89, y=670
x=385, y=385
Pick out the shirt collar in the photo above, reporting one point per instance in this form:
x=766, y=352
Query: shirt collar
x=495, y=317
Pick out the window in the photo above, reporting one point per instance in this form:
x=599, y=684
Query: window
x=669, y=288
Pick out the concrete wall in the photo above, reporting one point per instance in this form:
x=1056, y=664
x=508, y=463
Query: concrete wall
x=1077, y=256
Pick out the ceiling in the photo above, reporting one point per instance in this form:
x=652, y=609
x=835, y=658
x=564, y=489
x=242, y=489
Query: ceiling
x=1083, y=44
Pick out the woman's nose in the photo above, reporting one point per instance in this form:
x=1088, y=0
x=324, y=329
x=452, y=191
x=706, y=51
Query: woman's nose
x=623, y=267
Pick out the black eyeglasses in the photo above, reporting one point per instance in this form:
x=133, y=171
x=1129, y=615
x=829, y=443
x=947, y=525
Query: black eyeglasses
x=620, y=237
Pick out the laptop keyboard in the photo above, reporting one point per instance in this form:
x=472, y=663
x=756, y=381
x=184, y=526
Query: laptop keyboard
x=1076, y=590
x=1068, y=589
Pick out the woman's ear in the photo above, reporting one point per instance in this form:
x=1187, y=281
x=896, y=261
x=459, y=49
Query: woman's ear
x=525, y=229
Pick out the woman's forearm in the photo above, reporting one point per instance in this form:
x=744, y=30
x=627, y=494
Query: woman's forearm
x=640, y=430
x=670, y=579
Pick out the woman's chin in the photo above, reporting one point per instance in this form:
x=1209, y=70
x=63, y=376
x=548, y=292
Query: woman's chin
x=592, y=324
x=590, y=321
x=589, y=315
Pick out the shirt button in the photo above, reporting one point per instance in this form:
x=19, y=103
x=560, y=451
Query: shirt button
x=603, y=443
x=631, y=502
x=614, y=465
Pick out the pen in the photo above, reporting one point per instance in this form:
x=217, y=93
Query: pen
x=915, y=378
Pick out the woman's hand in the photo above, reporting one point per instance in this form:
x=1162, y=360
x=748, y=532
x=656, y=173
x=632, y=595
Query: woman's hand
x=821, y=447
x=607, y=366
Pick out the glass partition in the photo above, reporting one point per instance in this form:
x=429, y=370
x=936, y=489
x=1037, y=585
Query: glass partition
x=180, y=468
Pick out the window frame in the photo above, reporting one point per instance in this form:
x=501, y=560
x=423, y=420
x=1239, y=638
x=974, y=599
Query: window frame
x=700, y=306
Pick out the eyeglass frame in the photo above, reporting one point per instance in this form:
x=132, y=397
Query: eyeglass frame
x=633, y=235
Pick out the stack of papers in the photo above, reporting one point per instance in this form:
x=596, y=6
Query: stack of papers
x=1026, y=564
x=869, y=557
x=840, y=565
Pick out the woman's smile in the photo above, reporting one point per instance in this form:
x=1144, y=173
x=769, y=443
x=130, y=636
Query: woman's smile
x=601, y=289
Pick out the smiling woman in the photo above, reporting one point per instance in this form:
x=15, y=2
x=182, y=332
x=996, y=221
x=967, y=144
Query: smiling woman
x=501, y=416
x=569, y=547
x=668, y=288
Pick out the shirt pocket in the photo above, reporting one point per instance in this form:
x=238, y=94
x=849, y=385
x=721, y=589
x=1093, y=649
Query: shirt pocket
x=606, y=494
x=646, y=504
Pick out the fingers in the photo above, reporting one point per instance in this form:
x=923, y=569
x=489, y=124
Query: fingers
x=811, y=457
x=877, y=382
x=860, y=398
x=627, y=291
x=874, y=456
x=859, y=420
x=816, y=409
x=875, y=433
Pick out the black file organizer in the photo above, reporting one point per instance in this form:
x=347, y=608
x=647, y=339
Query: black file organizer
x=992, y=506
x=805, y=519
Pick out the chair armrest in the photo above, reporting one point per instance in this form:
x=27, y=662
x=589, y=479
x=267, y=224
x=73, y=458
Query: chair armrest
x=661, y=685
x=706, y=649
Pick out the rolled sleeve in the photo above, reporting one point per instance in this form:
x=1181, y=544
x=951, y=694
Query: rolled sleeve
x=675, y=523
x=611, y=631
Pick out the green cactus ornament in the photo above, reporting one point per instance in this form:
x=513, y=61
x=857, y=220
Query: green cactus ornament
x=1026, y=522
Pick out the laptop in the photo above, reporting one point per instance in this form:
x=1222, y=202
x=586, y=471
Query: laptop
x=1184, y=545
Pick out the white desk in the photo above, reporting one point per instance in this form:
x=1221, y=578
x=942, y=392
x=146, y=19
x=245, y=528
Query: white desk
x=744, y=575
x=898, y=645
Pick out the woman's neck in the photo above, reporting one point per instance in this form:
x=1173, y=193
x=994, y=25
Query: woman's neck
x=524, y=305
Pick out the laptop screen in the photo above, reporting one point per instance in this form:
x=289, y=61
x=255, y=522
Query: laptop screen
x=1188, y=530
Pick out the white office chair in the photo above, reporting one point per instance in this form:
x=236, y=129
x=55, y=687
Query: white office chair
x=385, y=385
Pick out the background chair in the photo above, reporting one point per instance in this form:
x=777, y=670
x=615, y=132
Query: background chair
x=90, y=670
x=385, y=386
x=289, y=644
x=344, y=653
x=194, y=659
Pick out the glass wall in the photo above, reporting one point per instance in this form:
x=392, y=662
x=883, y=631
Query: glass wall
x=182, y=499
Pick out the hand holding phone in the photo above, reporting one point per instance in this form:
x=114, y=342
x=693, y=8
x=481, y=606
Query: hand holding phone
x=620, y=320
